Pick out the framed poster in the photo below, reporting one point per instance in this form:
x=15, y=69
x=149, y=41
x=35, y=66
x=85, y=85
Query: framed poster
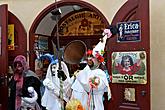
x=42, y=43
x=129, y=67
x=11, y=37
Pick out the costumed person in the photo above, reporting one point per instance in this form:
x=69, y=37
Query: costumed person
x=52, y=96
x=22, y=80
x=91, y=82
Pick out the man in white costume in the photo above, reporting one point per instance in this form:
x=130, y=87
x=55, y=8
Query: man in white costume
x=91, y=82
x=51, y=98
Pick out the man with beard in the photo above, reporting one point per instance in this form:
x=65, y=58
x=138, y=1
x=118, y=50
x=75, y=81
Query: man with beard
x=91, y=82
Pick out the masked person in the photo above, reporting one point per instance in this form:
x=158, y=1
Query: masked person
x=56, y=91
x=22, y=80
x=91, y=82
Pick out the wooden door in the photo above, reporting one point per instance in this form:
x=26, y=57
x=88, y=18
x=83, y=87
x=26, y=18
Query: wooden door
x=3, y=56
x=132, y=10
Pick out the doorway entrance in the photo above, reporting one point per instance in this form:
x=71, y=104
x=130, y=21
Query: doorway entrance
x=76, y=10
x=9, y=50
x=130, y=90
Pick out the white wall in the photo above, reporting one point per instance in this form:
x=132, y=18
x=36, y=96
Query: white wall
x=27, y=11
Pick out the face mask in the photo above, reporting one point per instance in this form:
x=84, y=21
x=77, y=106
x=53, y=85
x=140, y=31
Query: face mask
x=53, y=68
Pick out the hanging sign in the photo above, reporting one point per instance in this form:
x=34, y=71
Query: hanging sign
x=11, y=37
x=82, y=23
x=129, y=67
x=129, y=31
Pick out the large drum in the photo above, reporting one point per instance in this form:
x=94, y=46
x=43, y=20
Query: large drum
x=74, y=52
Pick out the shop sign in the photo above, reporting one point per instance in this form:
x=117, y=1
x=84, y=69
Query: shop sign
x=129, y=31
x=129, y=67
x=82, y=23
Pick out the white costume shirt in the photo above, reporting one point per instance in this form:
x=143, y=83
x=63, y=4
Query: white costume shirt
x=81, y=87
x=50, y=99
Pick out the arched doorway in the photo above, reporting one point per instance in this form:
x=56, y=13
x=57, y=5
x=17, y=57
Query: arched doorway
x=8, y=50
x=124, y=83
x=20, y=38
x=34, y=30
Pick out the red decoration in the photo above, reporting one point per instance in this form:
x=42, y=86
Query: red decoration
x=99, y=57
x=89, y=52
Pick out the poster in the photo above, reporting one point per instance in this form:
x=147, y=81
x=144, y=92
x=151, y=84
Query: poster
x=11, y=37
x=43, y=43
x=129, y=67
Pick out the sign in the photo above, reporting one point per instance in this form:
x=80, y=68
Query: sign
x=129, y=67
x=82, y=23
x=129, y=31
x=11, y=37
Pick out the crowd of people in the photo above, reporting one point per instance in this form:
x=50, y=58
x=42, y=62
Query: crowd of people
x=58, y=90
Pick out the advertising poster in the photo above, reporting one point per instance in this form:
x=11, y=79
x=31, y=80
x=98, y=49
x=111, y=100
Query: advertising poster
x=11, y=37
x=129, y=31
x=129, y=67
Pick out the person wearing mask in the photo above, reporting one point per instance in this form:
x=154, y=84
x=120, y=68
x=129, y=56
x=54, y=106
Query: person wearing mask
x=57, y=85
x=91, y=82
x=24, y=87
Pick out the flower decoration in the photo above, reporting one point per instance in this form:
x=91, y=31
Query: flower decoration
x=107, y=32
x=99, y=57
x=74, y=104
x=94, y=81
x=89, y=53
x=102, y=52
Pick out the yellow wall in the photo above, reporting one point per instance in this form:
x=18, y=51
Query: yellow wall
x=157, y=33
x=27, y=11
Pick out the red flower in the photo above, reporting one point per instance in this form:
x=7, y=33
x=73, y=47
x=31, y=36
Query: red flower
x=89, y=52
x=99, y=57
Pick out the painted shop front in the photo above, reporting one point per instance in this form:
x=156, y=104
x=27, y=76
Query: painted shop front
x=127, y=52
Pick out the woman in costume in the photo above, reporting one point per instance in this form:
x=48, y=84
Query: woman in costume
x=20, y=84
